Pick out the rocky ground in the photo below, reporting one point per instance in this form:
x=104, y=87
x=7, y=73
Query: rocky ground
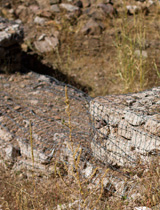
x=75, y=40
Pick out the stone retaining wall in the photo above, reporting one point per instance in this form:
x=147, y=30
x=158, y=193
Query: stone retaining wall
x=126, y=127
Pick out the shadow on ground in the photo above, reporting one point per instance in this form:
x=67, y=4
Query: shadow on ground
x=34, y=62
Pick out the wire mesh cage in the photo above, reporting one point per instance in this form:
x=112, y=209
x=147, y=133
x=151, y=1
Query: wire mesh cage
x=111, y=132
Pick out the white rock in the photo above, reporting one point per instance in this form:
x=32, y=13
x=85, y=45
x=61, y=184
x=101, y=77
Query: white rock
x=139, y=53
x=58, y=137
x=151, y=2
x=69, y=7
x=88, y=170
x=132, y=9
x=6, y=136
x=106, y=182
x=34, y=102
x=142, y=208
x=39, y=20
x=26, y=123
x=43, y=78
x=68, y=206
x=41, y=37
x=55, y=8
x=46, y=45
x=104, y=131
x=134, y=119
x=125, y=130
x=153, y=127
x=12, y=152
x=135, y=196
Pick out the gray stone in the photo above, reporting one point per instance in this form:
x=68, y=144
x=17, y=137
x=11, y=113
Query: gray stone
x=124, y=129
x=55, y=8
x=43, y=78
x=93, y=28
x=153, y=126
x=73, y=205
x=120, y=187
x=46, y=45
x=39, y=156
x=88, y=170
x=54, y=2
x=96, y=14
x=135, y=196
x=133, y=9
x=39, y=20
x=42, y=36
x=69, y=7
x=142, y=208
x=142, y=53
x=43, y=3
x=22, y=12
x=11, y=33
x=34, y=102
x=5, y=135
x=134, y=119
x=107, y=9
x=12, y=152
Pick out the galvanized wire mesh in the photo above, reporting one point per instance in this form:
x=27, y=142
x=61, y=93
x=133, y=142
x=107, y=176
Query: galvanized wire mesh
x=127, y=127
x=112, y=131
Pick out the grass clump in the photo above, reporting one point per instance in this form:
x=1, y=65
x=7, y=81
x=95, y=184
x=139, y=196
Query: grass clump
x=131, y=55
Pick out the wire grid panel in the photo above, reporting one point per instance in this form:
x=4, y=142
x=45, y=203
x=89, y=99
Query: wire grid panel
x=103, y=127
x=40, y=100
x=126, y=127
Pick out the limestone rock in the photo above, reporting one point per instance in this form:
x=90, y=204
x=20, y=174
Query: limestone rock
x=69, y=7
x=46, y=45
x=134, y=119
x=153, y=126
x=43, y=78
x=43, y=3
x=39, y=20
x=108, y=9
x=55, y=8
x=39, y=156
x=11, y=33
x=135, y=196
x=22, y=12
x=142, y=208
x=12, y=152
x=138, y=53
x=88, y=170
x=5, y=135
x=133, y=9
x=96, y=14
x=72, y=205
x=93, y=28
x=54, y=2
x=133, y=128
